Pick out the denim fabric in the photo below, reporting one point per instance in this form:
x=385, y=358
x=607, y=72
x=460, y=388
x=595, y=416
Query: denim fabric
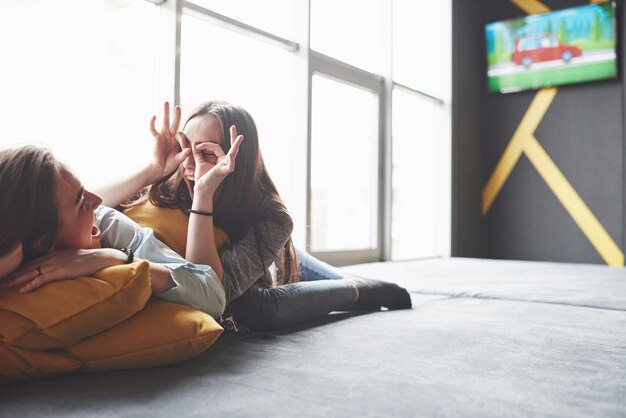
x=311, y=268
x=321, y=290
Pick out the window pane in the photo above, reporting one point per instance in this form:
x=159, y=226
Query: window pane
x=344, y=167
x=274, y=16
x=417, y=44
x=79, y=76
x=349, y=30
x=230, y=70
x=416, y=209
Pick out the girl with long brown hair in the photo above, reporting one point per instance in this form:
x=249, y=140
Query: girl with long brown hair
x=248, y=208
x=52, y=228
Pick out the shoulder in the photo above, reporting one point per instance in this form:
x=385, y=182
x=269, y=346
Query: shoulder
x=274, y=211
x=107, y=217
x=115, y=228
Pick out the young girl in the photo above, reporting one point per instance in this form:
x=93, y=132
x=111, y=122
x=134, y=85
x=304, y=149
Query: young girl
x=248, y=208
x=54, y=229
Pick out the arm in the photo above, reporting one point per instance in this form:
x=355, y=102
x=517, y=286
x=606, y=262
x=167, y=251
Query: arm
x=201, y=246
x=116, y=193
x=70, y=264
x=63, y=265
x=167, y=158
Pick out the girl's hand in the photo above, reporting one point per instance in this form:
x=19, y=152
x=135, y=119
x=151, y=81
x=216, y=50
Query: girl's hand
x=63, y=265
x=11, y=261
x=167, y=152
x=209, y=182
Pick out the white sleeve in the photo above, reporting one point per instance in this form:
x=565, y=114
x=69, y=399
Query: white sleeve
x=196, y=285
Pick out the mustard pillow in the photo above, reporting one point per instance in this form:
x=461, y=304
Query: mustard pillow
x=23, y=364
x=63, y=313
x=170, y=226
x=161, y=333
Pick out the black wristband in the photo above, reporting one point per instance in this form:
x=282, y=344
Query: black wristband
x=130, y=253
x=200, y=212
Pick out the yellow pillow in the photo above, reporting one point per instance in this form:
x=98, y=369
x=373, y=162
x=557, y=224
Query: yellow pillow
x=170, y=226
x=65, y=312
x=161, y=333
x=23, y=364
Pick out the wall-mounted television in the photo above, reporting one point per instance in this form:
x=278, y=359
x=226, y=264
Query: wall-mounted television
x=562, y=47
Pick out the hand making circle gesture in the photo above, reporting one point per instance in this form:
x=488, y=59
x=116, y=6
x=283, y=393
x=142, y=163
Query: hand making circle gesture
x=167, y=151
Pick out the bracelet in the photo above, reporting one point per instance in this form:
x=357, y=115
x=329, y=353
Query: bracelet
x=130, y=253
x=200, y=212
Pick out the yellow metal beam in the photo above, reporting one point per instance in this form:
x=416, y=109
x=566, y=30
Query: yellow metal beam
x=514, y=149
x=532, y=7
x=573, y=203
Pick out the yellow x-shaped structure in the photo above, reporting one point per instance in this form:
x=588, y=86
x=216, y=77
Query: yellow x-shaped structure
x=524, y=142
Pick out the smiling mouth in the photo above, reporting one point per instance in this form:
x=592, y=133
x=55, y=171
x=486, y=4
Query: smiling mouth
x=95, y=232
x=190, y=183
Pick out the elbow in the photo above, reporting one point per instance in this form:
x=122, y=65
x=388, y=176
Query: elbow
x=217, y=309
x=218, y=303
x=286, y=223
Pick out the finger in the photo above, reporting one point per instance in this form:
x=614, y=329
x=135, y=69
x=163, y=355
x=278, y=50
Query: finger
x=182, y=140
x=221, y=168
x=181, y=156
x=232, y=154
x=166, y=117
x=21, y=277
x=211, y=146
x=176, y=122
x=38, y=282
x=152, y=126
x=233, y=134
x=234, y=149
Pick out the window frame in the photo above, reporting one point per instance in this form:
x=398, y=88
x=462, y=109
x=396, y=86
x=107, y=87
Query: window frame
x=307, y=64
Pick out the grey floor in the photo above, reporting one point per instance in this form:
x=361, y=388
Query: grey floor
x=485, y=338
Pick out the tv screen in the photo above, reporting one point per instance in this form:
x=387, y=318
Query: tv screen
x=561, y=47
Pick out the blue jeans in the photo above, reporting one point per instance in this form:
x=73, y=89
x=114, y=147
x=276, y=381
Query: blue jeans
x=322, y=289
x=312, y=269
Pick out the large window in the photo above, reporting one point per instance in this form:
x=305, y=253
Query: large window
x=418, y=215
x=344, y=167
x=351, y=99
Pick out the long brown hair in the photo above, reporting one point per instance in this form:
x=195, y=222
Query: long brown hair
x=28, y=208
x=238, y=207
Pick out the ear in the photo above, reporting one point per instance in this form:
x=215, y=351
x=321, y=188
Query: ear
x=43, y=244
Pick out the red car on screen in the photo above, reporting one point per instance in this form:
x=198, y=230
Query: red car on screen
x=540, y=48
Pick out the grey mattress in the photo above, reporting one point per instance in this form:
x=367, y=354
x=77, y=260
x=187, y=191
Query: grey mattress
x=485, y=338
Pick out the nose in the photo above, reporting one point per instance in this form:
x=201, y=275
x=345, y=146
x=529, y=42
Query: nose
x=93, y=199
x=189, y=164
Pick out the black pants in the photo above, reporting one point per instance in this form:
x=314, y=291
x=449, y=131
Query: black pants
x=322, y=289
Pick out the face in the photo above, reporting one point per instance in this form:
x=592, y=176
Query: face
x=77, y=218
x=201, y=129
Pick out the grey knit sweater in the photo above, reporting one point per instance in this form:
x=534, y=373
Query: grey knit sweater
x=243, y=262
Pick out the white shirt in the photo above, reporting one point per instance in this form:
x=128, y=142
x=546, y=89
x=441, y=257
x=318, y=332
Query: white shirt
x=196, y=285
